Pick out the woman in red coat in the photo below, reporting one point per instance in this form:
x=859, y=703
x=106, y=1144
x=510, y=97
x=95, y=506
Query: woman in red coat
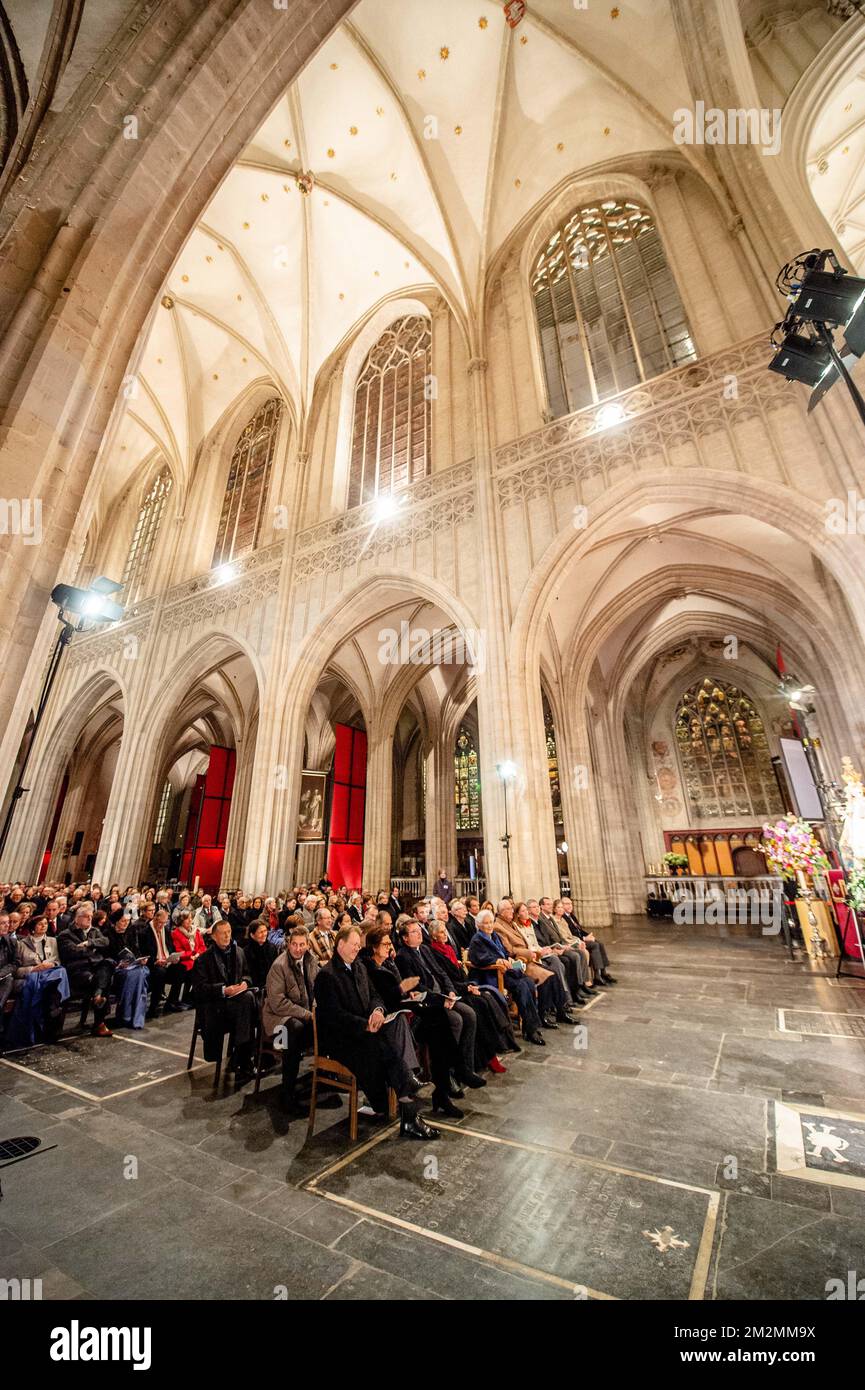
x=189, y=944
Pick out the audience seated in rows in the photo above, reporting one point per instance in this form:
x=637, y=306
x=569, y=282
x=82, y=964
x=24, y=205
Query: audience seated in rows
x=389, y=988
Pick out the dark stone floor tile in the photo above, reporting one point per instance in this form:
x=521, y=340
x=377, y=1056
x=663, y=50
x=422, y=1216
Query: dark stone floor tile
x=195, y=1246
x=374, y=1285
x=775, y=1250
x=800, y=1193
x=442, y=1270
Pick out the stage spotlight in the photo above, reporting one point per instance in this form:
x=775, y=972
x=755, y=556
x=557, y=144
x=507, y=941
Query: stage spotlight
x=802, y=358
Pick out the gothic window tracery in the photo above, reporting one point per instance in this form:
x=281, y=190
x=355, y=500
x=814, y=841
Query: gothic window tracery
x=247, y=484
x=390, y=446
x=724, y=752
x=467, y=791
x=608, y=309
x=144, y=537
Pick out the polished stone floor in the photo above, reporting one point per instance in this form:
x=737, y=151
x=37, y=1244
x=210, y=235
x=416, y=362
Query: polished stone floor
x=690, y=1143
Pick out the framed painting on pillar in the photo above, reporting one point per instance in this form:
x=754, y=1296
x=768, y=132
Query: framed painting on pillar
x=312, y=810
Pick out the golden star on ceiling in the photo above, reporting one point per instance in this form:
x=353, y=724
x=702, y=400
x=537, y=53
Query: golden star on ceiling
x=614, y=13
x=606, y=130
x=352, y=130
x=334, y=66
x=246, y=226
x=560, y=146
x=265, y=197
x=331, y=153
x=342, y=296
x=287, y=144
x=379, y=110
x=421, y=72
x=523, y=39
x=518, y=183
x=483, y=22
x=185, y=279
x=458, y=130
x=444, y=54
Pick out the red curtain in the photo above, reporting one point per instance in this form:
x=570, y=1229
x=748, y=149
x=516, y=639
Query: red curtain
x=207, y=824
x=348, y=804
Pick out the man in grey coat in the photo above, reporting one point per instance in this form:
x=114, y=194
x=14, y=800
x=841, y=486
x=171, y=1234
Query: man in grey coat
x=287, y=1012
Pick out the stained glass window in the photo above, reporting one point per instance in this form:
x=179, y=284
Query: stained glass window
x=247, y=485
x=608, y=309
x=725, y=754
x=144, y=537
x=467, y=783
x=552, y=763
x=162, y=813
x=390, y=445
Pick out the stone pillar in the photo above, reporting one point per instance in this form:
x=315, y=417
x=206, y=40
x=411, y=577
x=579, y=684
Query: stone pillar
x=379, y=803
x=579, y=785
x=239, y=814
x=441, y=819
x=310, y=863
x=510, y=711
x=129, y=816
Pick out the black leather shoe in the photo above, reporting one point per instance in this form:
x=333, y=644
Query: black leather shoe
x=565, y=1017
x=600, y=983
x=514, y=1047
x=443, y=1105
x=590, y=990
x=609, y=979
x=472, y=1080
x=456, y=1092
x=581, y=997
x=537, y=1039
x=550, y=1022
x=412, y=1126
x=415, y=1086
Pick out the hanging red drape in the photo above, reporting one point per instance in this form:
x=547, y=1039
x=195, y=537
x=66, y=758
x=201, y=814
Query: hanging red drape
x=348, y=804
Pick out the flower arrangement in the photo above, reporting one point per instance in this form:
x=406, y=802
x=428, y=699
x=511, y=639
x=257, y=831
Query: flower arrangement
x=675, y=861
x=791, y=848
x=856, y=890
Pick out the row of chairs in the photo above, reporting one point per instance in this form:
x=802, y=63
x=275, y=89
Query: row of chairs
x=326, y=1071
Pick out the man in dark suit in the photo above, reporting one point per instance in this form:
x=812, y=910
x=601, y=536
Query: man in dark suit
x=163, y=962
x=414, y=957
x=225, y=1002
x=351, y=1029
x=393, y=906
x=85, y=953
x=460, y=929
x=573, y=960
x=596, y=949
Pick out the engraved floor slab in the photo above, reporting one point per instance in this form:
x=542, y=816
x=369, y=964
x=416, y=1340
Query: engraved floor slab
x=97, y=1068
x=821, y=1025
x=819, y=1145
x=601, y=1229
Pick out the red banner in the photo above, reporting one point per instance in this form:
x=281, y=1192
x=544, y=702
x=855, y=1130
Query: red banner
x=347, y=808
x=207, y=825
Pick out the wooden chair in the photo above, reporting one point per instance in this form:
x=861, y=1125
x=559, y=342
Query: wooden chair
x=264, y=1045
x=326, y=1071
x=501, y=969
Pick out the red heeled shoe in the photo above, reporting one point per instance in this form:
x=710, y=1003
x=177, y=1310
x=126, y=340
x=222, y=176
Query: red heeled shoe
x=496, y=1066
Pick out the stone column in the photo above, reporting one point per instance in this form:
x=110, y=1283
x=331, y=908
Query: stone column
x=510, y=711
x=441, y=819
x=239, y=814
x=579, y=784
x=310, y=863
x=379, y=803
